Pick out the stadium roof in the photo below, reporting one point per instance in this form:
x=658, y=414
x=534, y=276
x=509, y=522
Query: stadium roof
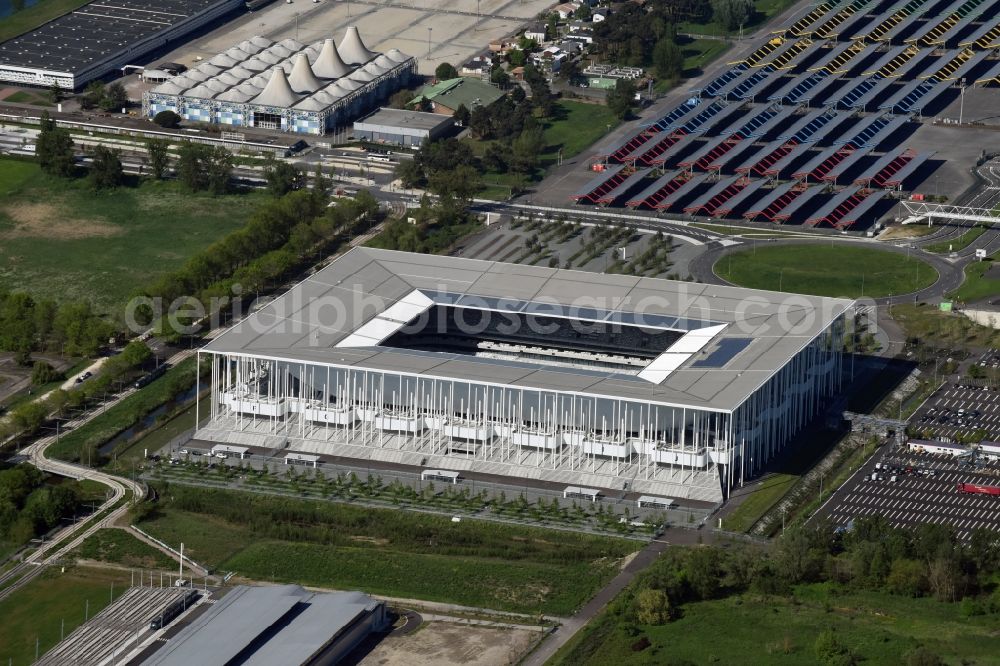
x=73, y=42
x=341, y=315
x=277, y=624
x=286, y=74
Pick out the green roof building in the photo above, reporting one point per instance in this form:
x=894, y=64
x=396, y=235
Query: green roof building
x=446, y=96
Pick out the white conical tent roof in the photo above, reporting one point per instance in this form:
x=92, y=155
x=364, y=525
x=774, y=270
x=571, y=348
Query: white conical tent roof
x=302, y=78
x=329, y=64
x=277, y=92
x=353, y=49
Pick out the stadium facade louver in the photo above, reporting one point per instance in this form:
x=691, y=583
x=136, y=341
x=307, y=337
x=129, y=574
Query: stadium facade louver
x=669, y=388
x=286, y=85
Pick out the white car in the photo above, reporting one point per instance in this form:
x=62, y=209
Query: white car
x=221, y=455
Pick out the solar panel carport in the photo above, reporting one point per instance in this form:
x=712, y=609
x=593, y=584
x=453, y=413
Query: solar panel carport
x=718, y=194
x=785, y=213
x=623, y=188
x=844, y=166
x=846, y=208
x=601, y=183
x=733, y=203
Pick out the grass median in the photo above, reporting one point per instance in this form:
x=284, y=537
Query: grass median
x=80, y=444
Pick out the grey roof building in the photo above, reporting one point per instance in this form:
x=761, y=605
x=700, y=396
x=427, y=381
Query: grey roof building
x=681, y=389
x=101, y=37
x=402, y=127
x=282, y=624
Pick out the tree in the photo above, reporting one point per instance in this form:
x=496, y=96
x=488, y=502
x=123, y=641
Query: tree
x=159, y=159
x=42, y=373
x=219, y=169
x=55, y=93
x=283, y=177
x=621, y=97
x=517, y=57
x=106, y=168
x=921, y=656
x=115, y=98
x=191, y=168
x=525, y=150
x=54, y=148
x=652, y=607
x=462, y=115
x=167, y=119
x=668, y=60
x=445, y=71
x=583, y=12
x=499, y=76
x=731, y=14
x=92, y=96
x=907, y=577
x=409, y=172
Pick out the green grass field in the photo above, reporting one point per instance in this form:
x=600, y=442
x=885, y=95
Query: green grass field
x=37, y=610
x=574, y=127
x=760, y=500
x=32, y=97
x=117, y=546
x=877, y=627
x=978, y=285
x=946, y=330
x=30, y=18
x=422, y=556
x=826, y=270
x=956, y=244
x=59, y=239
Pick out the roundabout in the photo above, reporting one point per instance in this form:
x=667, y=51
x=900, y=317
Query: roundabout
x=849, y=270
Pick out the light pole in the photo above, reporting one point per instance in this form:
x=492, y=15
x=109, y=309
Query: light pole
x=429, y=41
x=961, y=103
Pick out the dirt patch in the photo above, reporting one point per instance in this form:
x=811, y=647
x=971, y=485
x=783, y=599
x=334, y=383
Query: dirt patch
x=906, y=231
x=45, y=220
x=452, y=644
x=372, y=540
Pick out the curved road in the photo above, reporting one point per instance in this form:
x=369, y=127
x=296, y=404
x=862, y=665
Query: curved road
x=72, y=536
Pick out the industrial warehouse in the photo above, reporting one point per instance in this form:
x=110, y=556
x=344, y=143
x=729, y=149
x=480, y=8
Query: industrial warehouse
x=102, y=37
x=286, y=85
x=655, y=386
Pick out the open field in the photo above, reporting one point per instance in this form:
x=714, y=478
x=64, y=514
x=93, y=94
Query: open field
x=61, y=240
x=826, y=270
x=573, y=127
x=116, y=546
x=30, y=18
x=32, y=97
x=945, y=330
x=749, y=629
x=388, y=552
x=37, y=610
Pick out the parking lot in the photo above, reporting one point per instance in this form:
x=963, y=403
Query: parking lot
x=910, y=489
x=960, y=411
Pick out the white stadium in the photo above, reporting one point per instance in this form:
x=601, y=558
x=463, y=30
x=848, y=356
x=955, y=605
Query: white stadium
x=668, y=388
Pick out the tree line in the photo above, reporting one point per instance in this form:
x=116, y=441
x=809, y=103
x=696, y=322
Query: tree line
x=29, y=507
x=926, y=560
x=28, y=417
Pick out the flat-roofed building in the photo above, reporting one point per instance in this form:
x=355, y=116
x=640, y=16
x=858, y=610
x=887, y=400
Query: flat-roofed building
x=276, y=624
x=101, y=37
x=402, y=127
